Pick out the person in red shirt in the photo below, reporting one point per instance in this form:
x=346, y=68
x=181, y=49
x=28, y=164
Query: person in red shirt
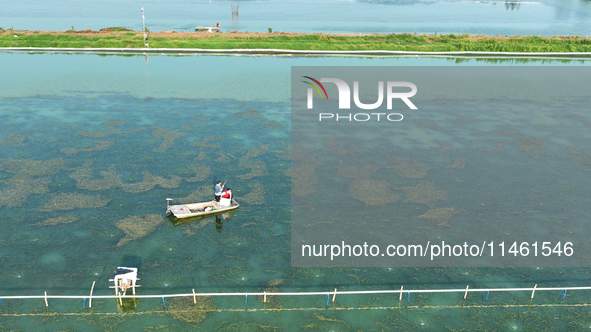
x=227, y=194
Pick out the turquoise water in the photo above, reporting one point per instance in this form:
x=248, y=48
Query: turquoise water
x=496, y=17
x=91, y=147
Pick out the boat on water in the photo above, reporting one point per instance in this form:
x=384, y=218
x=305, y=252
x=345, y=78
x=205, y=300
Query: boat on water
x=201, y=209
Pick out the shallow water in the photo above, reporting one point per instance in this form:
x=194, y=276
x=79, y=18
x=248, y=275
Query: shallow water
x=496, y=17
x=134, y=133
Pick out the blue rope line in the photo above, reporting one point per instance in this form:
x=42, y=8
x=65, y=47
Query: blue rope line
x=163, y=303
x=245, y=300
x=84, y=303
x=327, y=297
x=564, y=294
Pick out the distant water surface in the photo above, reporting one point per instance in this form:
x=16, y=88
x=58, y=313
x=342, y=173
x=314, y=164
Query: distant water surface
x=495, y=17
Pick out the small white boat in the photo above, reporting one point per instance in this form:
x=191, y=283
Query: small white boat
x=125, y=278
x=200, y=209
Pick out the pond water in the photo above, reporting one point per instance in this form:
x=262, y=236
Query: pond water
x=91, y=147
x=494, y=17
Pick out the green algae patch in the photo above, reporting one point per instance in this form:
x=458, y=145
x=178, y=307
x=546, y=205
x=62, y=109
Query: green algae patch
x=205, y=142
x=62, y=202
x=424, y=193
x=459, y=163
x=137, y=227
x=202, y=172
x=257, y=151
x=99, y=135
x=438, y=216
x=372, y=193
x=257, y=168
x=61, y=220
x=150, y=181
x=84, y=178
x=15, y=139
x=183, y=308
x=18, y=189
x=31, y=167
x=169, y=137
x=407, y=168
x=256, y=195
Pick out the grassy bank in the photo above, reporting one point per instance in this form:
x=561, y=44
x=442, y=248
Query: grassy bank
x=292, y=41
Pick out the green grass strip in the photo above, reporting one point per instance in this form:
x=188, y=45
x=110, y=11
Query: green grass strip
x=391, y=42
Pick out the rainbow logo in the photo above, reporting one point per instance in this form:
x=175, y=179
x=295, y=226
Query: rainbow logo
x=315, y=87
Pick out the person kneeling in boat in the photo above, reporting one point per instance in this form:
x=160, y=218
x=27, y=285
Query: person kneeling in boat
x=226, y=199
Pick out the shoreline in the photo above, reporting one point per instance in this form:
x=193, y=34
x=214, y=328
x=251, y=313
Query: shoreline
x=286, y=52
x=293, y=43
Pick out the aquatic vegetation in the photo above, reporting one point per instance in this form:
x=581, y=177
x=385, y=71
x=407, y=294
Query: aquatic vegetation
x=99, y=135
x=101, y=145
x=248, y=327
x=202, y=172
x=496, y=148
x=248, y=114
x=202, y=156
x=409, y=169
x=183, y=308
x=580, y=157
x=206, y=141
x=438, y=216
x=18, y=189
x=150, y=181
x=257, y=151
x=169, y=137
x=444, y=148
x=271, y=124
x=224, y=158
x=257, y=168
x=284, y=154
x=114, y=122
x=193, y=227
x=325, y=323
x=15, y=139
x=372, y=193
x=459, y=163
x=136, y=227
x=357, y=172
x=333, y=144
x=69, y=151
x=65, y=201
x=31, y=167
x=64, y=219
x=84, y=179
x=256, y=195
x=304, y=180
x=531, y=145
x=424, y=193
